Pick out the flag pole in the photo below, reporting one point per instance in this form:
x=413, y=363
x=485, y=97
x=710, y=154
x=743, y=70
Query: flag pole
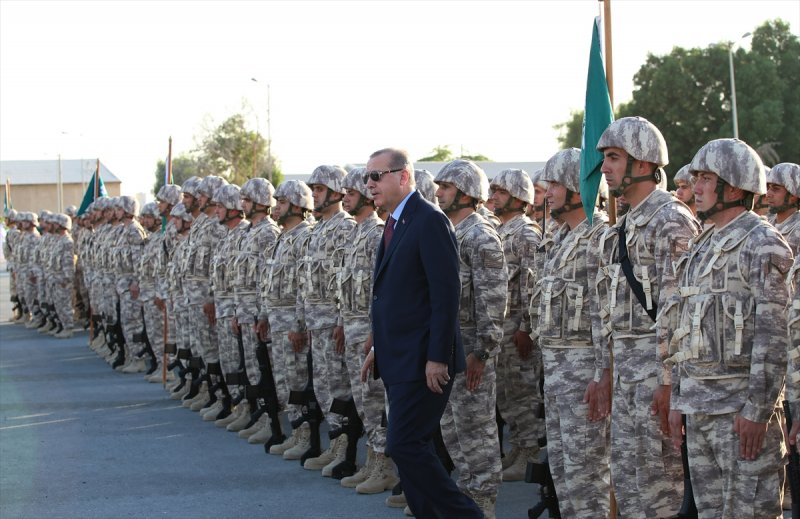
x=612, y=200
x=167, y=180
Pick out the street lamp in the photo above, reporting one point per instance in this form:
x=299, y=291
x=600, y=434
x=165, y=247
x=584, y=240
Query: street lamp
x=733, y=85
x=269, y=133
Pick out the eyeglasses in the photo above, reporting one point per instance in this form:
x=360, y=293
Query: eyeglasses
x=376, y=175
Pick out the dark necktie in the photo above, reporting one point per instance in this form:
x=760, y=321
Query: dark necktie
x=388, y=232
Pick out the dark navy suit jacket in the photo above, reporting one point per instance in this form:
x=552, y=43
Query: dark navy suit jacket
x=416, y=293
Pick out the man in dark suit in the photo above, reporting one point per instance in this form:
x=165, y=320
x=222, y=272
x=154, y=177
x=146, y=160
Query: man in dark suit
x=417, y=346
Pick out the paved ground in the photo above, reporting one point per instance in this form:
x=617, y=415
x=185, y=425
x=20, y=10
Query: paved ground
x=80, y=440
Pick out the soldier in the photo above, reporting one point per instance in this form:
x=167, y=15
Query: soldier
x=280, y=284
x=253, y=249
x=518, y=395
x=355, y=297
x=684, y=188
x=143, y=287
x=324, y=252
x=729, y=362
x=62, y=273
x=569, y=340
x=228, y=206
x=783, y=198
x=204, y=236
x=468, y=425
x=9, y=251
x=40, y=264
x=425, y=184
x=181, y=219
x=647, y=474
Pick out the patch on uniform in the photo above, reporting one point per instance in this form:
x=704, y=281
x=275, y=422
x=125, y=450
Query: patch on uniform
x=492, y=259
x=780, y=263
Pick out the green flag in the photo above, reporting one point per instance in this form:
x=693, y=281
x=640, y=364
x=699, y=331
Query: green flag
x=93, y=192
x=597, y=115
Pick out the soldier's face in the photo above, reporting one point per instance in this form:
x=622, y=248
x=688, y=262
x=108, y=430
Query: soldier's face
x=318, y=194
x=498, y=197
x=281, y=208
x=202, y=201
x=446, y=194
x=350, y=200
x=188, y=200
x=163, y=208
x=615, y=160
x=556, y=195
x=683, y=190
x=776, y=195
x=247, y=206
x=220, y=211
x=705, y=195
x=119, y=213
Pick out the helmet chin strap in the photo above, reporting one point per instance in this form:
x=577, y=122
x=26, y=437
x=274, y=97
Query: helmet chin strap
x=498, y=211
x=327, y=202
x=454, y=206
x=568, y=206
x=228, y=217
x=362, y=202
x=255, y=210
x=282, y=218
x=721, y=205
x=629, y=179
x=785, y=206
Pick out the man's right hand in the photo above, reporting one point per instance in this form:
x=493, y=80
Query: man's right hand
x=523, y=343
x=676, y=429
x=366, y=368
x=262, y=329
x=436, y=376
x=298, y=340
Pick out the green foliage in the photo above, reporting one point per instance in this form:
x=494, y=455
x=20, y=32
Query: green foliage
x=443, y=153
x=231, y=151
x=686, y=94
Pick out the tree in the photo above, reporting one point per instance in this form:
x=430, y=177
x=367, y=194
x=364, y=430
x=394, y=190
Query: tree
x=229, y=150
x=443, y=153
x=686, y=94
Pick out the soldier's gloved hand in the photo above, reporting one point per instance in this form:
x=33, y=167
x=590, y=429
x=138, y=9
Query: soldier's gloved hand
x=524, y=344
x=338, y=338
x=751, y=436
x=676, y=429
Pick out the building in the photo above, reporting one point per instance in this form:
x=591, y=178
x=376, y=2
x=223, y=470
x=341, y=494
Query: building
x=34, y=183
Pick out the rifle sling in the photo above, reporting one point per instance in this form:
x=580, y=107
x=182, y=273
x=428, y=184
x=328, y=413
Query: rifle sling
x=627, y=268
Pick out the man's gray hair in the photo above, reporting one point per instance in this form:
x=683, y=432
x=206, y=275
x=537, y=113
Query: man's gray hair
x=398, y=159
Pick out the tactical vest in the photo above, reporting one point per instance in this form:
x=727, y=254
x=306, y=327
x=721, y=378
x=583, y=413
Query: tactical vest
x=355, y=277
x=281, y=276
x=466, y=309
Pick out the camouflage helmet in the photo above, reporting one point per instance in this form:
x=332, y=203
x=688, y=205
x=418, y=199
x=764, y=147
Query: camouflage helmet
x=786, y=174
x=190, y=186
x=638, y=137
x=179, y=211
x=170, y=194
x=329, y=176
x=32, y=218
x=114, y=202
x=425, y=184
x=44, y=215
x=683, y=175
x=565, y=168
x=97, y=205
x=734, y=162
x=296, y=192
x=228, y=196
x=517, y=182
x=467, y=176
x=62, y=220
x=260, y=191
x=536, y=179
x=209, y=185
x=12, y=215
x=71, y=211
x=355, y=180
x=129, y=205
x=150, y=209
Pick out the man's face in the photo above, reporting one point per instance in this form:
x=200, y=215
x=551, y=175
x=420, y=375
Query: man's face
x=119, y=213
x=163, y=208
x=556, y=195
x=446, y=194
x=498, y=197
x=615, y=160
x=247, y=206
x=281, y=208
x=220, y=211
x=203, y=201
x=177, y=223
x=350, y=200
x=705, y=195
x=188, y=200
x=388, y=190
x=683, y=190
x=776, y=195
x=319, y=193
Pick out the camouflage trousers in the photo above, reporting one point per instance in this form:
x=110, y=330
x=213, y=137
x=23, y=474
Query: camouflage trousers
x=172, y=323
x=183, y=328
x=578, y=453
x=109, y=299
x=154, y=325
x=370, y=397
x=131, y=317
x=12, y=283
x=518, y=394
x=202, y=336
x=29, y=291
x=646, y=470
x=230, y=358
x=61, y=290
x=81, y=292
x=41, y=287
x=725, y=486
x=469, y=430
x=330, y=374
x=289, y=369
x=246, y=312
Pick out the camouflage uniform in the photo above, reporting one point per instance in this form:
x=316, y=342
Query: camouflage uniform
x=518, y=395
x=149, y=271
x=62, y=274
x=323, y=256
x=28, y=244
x=469, y=428
x=126, y=251
x=793, y=325
x=9, y=252
x=787, y=175
x=569, y=328
x=649, y=482
x=179, y=301
x=729, y=360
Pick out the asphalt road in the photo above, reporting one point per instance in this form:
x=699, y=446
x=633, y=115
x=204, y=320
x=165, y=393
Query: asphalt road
x=78, y=439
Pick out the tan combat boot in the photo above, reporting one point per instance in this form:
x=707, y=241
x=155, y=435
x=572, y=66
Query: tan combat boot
x=240, y=408
x=339, y=455
x=210, y=413
x=257, y=426
x=510, y=457
x=136, y=365
x=263, y=434
x=362, y=474
x=396, y=501
x=302, y=443
x=242, y=420
x=382, y=477
x=64, y=334
x=486, y=504
x=287, y=444
x=323, y=459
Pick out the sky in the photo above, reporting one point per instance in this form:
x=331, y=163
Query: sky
x=116, y=79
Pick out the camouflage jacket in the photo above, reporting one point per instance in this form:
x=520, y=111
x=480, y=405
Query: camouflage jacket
x=520, y=237
x=281, y=280
x=355, y=274
x=790, y=230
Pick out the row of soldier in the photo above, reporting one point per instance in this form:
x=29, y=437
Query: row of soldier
x=253, y=302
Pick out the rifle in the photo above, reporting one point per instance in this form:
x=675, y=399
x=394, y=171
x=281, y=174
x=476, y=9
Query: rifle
x=540, y=473
x=269, y=392
x=312, y=413
x=793, y=467
x=688, y=506
x=353, y=428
